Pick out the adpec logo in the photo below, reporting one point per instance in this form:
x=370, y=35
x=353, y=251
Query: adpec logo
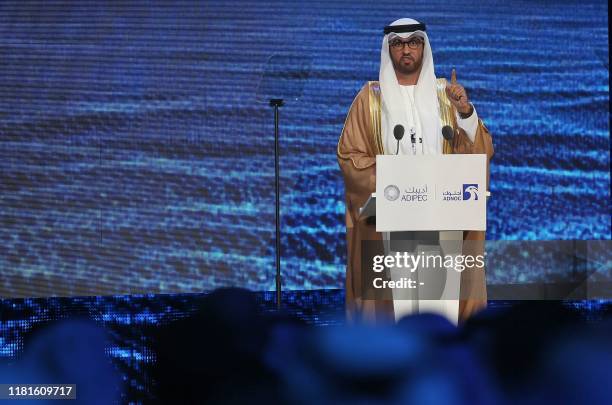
x=470, y=192
x=392, y=192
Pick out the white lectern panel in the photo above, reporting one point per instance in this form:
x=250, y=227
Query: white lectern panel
x=431, y=192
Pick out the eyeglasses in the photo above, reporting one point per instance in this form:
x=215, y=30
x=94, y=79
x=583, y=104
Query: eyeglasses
x=413, y=43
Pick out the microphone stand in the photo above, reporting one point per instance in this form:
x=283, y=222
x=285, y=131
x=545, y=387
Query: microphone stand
x=276, y=103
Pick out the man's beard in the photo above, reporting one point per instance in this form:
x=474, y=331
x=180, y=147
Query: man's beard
x=412, y=68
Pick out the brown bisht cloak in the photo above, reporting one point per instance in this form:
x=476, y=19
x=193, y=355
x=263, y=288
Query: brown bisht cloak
x=358, y=146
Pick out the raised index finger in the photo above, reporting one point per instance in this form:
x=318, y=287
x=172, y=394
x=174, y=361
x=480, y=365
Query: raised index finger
x=453, y=77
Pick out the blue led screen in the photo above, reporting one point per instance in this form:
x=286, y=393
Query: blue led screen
x=135, y=156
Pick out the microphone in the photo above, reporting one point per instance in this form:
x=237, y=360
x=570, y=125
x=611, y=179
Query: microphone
x=398, y=133
x=448, y=133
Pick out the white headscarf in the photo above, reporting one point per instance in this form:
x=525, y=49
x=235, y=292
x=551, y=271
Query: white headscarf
x=394, y=109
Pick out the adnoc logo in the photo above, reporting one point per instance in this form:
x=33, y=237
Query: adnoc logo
x=392, y=192
x=470, y=192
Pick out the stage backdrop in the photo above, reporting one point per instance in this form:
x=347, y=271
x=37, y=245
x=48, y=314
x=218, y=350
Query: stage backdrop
x=135, y=157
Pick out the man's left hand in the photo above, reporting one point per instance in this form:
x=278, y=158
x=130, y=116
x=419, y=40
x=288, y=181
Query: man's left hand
x=457, y=95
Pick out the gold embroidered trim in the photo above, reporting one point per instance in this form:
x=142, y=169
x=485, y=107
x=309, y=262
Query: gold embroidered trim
x=375, y=113
x=447, y=114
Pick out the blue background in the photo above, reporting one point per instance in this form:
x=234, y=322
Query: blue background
x=135, y=158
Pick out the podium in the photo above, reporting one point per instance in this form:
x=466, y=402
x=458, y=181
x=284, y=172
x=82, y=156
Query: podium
x=422, y=205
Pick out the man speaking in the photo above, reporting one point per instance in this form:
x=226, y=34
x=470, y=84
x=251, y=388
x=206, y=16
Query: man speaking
x=407, y=94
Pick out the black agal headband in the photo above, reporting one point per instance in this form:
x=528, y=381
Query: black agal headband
x=398, y=29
